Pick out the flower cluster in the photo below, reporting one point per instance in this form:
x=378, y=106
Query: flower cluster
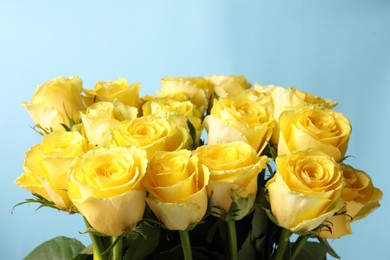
x=201, y=152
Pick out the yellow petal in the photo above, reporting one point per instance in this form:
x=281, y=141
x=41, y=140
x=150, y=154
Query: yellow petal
x=222, y=132
x=177, y=216
x=113, y=216
x=295, y=211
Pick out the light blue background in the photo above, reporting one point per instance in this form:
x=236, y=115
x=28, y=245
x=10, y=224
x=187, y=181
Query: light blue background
x=337, y=49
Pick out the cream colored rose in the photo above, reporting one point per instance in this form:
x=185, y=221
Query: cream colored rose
x=177, y=189
x=234, y=119
x=115, y=90
x=54, y=101
x=105, y=186
x=361, y=198
x=152, y=134
x=314, y=127
x=101, y=118
x=195, y=89
x=46, y=166
x=233, y=171
x=231, y=86
x=305, y=191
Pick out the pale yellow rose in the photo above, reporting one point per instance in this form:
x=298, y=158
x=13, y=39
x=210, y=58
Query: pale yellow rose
x=116, y=90
x=231, y=85
x=201, y=82
x=178, y=112
x=160, y=106
x=361, y=198
x=101, y=118
x=234, y=119
x=54, y=102
x=180, y=96
x=233, y=171
x=152, y=134
x=195, y=89
x=263, y=98
x=314, y=127
x=305, y=191
x=105, y=186
x=284, y=99
x=46, y=166
x=177, y=189
x=280, y=99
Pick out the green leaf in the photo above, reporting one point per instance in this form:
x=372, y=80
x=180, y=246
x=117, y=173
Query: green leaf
x=324, y=242
x=211, y=232
x=142, y=242
x=85, y=253
x=215, y=95
x=56, y=248
x=263, y=235
x=67, y=129
x=312, y=251
x=192, y=130
x=270, y=150
x=254, y=244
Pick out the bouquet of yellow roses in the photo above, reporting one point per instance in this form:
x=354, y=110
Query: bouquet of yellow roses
x=208, y=168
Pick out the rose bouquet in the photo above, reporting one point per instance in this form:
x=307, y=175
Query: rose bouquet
x=208, y=168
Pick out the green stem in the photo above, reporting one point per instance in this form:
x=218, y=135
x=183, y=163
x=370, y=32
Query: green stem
x=232, y=235
x=185, y=244
x=98, y=247
x=299, y=243
x=284, y=240
x=117, y=250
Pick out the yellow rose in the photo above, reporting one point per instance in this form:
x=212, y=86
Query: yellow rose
x=305, y=191
x=281, y=99
x=105, y=186
x=170, y=106
x=101, y=118
x=225, y=86
x=361, y=198
x=200, y=82
x=314, y=127
x=180, y=96
x=118, y=90
x=195, y=89
x=152, y=134
x=54, y=101
x=46, y=166
x=177, y=189
x=264, y=98
x=234, y=119
x=233, y=171
x=284, y=99
x=177, y=112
